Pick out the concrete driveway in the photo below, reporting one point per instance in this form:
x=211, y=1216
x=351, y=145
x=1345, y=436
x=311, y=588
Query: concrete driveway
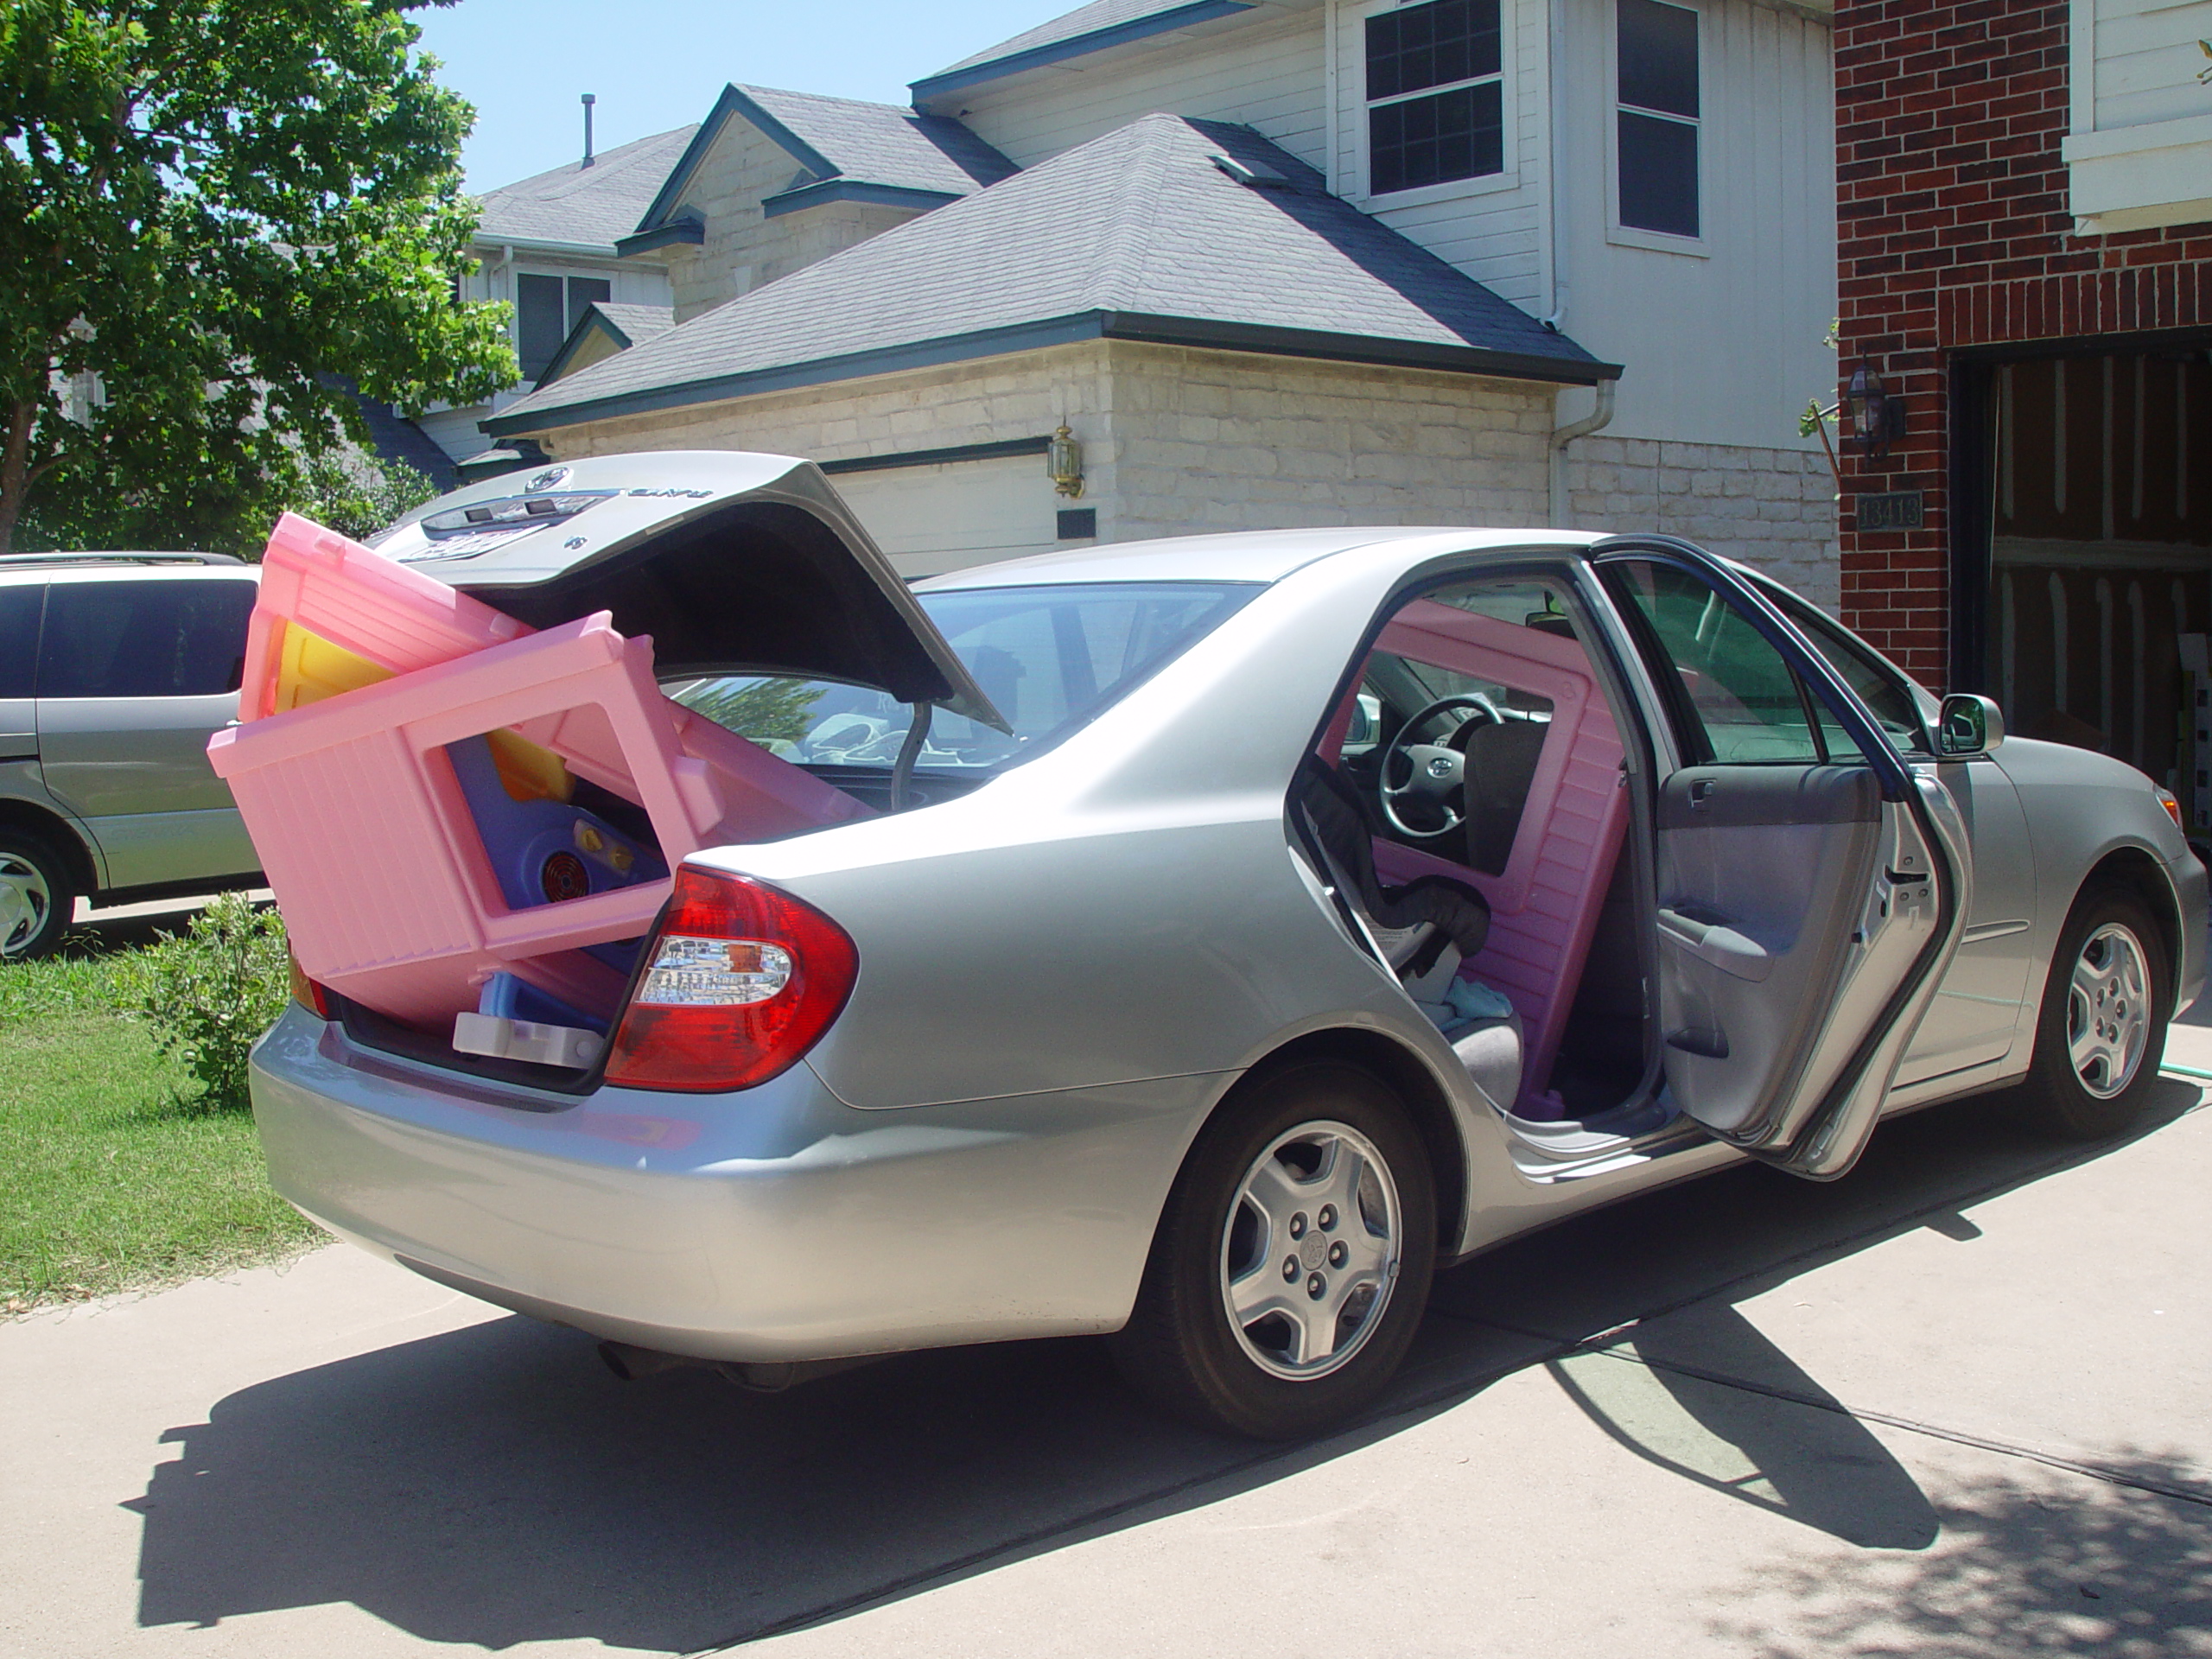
x=1955, y=1404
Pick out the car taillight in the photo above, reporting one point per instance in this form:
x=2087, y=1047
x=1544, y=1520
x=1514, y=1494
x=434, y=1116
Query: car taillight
x=305, y=991
x=740, y=981
x=2173, y=807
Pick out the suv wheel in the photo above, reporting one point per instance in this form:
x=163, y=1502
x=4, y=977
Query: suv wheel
x=1292, y=1261
x=37, y=901
x=2102, y=1029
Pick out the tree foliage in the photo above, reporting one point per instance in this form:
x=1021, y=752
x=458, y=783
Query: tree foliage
x=212, y=213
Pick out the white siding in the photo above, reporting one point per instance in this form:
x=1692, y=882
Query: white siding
x=1721, y=345
x=2140, y=155
x=1492, y=229
x=2147, y=61
x=1265, y=74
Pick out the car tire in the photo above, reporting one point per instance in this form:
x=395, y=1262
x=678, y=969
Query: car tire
x=38, y=900
x=1261, y=1218
x=2101, y=1031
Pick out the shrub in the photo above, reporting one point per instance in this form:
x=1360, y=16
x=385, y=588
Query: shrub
x=210, y=993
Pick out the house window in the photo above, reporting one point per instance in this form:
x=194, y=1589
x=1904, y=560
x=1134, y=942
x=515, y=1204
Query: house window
x=546, y=308
x=1655, y=62
x=1434, y=94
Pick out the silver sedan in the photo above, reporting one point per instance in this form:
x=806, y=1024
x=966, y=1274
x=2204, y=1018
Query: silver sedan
x=1250, y=924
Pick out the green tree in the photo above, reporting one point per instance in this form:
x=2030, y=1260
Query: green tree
x=212, y=212
x=349, y=491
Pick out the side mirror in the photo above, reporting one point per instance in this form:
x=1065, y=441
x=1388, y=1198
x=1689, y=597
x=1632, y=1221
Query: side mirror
x=1969, y=726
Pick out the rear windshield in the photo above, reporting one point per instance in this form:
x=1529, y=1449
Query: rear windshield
x=1049, y=657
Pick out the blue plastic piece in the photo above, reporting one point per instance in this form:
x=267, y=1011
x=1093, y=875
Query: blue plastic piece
x=1473, y=1000
x=509, y=998
x=543, y=851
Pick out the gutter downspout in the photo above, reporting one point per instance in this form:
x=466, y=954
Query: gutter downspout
x=1563, y=436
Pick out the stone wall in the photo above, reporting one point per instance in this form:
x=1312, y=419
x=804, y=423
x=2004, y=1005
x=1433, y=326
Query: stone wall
x=1203, y=440
x=1020, y=395
x=1771, y=508
x=1177, y=441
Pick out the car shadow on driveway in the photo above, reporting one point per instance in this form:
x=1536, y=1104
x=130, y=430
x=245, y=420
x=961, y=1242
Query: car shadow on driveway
x=494, y=1485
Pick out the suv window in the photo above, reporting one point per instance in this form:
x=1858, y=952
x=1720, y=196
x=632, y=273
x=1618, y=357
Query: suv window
x=144, y=638
x=19, y=609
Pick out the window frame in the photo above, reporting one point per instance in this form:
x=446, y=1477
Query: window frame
x=1509, y=175
x=570, y=316
x=1633, y=236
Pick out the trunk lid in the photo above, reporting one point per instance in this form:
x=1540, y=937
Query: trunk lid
x=733, y=563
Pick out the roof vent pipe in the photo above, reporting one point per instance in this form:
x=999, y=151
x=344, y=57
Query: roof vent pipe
x=588, y=101
x=1562, y=436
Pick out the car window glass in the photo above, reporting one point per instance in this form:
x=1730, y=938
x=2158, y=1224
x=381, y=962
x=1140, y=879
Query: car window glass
x=1049, y=657
x=1747, y=701
x=1874, y=684
x=19, y=609
x=144, y=638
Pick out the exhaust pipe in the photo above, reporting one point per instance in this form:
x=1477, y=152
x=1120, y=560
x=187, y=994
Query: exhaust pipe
x=632, y=1363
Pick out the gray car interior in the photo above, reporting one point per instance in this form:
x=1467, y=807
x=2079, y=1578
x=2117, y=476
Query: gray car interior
x=1760, y=867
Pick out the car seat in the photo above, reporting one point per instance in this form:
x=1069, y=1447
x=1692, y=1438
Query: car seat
x=1501, y=765
x=1413, y=922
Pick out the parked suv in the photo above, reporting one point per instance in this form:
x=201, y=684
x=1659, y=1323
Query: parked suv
x=115, y=669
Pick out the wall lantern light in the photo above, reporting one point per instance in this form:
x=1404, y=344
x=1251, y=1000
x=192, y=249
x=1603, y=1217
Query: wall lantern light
x=1064, y=460
x=1877, y=414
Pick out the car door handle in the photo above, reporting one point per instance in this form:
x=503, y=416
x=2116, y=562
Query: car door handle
x=1723, y=946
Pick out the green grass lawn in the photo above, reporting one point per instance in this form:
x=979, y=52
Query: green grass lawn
x=112, y=1178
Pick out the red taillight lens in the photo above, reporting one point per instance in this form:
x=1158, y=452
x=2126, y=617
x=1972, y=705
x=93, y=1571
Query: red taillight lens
x=740, y=981
x=305, y=991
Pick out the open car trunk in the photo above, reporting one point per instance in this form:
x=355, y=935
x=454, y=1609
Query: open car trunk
x=456, y=762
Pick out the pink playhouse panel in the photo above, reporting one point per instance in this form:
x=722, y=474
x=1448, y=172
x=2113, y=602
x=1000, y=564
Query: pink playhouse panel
x=400, y=619
x=369, y=843
x=352, y=596
x=1544, y=907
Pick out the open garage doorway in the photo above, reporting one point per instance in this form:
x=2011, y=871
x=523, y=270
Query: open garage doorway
x=2094, y=590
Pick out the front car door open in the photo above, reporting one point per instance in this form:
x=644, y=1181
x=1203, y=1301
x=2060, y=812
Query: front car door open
x=1811, y=886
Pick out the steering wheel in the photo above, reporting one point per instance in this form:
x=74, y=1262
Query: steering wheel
x=1435, y=772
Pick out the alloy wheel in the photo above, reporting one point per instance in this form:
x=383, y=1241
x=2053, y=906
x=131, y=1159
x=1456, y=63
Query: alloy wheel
x=1310, y=1253
x=25, y=901
x=2108, y=1010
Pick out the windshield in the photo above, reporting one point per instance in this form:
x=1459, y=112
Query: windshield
x=1050, y=658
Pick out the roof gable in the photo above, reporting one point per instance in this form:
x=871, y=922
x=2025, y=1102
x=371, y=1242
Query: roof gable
x=1140, y=235
x=929, y=159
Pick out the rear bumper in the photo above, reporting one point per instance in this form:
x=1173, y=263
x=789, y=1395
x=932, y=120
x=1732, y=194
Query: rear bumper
x=774, y=1224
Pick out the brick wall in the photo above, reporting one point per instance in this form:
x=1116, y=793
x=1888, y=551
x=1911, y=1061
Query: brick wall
x=1955, y=232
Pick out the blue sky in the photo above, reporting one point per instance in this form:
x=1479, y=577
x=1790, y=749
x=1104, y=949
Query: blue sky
x=657, y=64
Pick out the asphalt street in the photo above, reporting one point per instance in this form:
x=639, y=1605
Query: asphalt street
x=1954, y=1404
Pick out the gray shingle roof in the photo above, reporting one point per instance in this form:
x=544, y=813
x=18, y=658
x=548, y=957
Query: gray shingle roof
x=637, y=323
x=1135, y=235
x=592, y=205
x=1112, y=19
x=882, y=143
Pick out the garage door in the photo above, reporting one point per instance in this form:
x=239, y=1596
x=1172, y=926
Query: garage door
x=947, y=517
